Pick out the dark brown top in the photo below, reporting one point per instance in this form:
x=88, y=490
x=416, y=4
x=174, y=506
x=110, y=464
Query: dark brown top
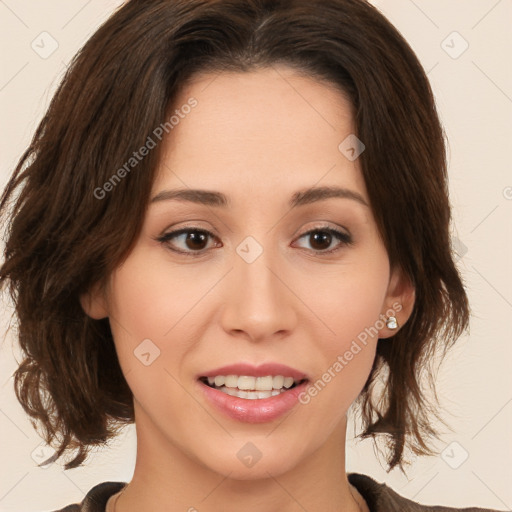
x=380, y=498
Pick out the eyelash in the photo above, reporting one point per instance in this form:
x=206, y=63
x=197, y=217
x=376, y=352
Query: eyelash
x=344, y=238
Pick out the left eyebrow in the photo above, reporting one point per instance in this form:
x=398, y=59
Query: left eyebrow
x=193, y=196
x=299, y=198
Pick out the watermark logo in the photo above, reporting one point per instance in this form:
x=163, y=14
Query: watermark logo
x=145, y=149
x=344, y=359
x=351, y=147
x=249, y=454
x=455, y=455
x=43, y=455
x=147, y=352
x=454, y=45
x=459, y=248
x=44, y=45
x=249, y=249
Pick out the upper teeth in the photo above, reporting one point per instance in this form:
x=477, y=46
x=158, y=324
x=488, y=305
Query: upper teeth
x=247, y=382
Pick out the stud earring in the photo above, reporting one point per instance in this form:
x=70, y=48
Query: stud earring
x=391, y=323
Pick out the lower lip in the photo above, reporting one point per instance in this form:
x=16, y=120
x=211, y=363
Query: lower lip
x=259, y=410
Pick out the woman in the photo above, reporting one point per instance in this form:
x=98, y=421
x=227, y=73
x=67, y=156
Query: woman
x=233, y=223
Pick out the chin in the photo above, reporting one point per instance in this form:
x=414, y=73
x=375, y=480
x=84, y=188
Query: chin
x=247, y=462
x=260, y=471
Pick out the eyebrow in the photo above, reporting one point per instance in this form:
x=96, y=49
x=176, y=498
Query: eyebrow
x=299, y=198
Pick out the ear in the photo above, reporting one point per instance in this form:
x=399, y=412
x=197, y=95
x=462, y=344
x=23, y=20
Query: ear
x=399, y=302
x=94, y=302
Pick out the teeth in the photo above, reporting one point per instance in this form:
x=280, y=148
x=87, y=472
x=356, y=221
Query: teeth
x=246, y=382
x=278, y=382
x=250, y=395
x=231, y=381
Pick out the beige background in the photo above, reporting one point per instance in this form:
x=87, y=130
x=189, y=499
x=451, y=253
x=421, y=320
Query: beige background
x=474, y=95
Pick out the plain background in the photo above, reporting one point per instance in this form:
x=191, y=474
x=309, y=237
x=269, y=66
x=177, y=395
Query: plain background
x=473, y=88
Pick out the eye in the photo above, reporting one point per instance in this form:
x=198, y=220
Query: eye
x=322, y=238
x=192, y=240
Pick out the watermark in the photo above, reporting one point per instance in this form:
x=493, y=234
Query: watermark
x=43, y=455
x=249, y=454
x=455, y=455
x=146, y=352
x=454, y=44
x=44, y=45
x=351, y=147
x=459, y=248
x=249, y=249
x=145, y=149
x=343, y=360
x=507, y=193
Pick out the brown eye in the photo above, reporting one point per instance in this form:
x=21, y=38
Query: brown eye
x=187, y=240
x=320, y=239
x=194, y=242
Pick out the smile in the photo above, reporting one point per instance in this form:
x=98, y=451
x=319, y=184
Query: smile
x=252, y=388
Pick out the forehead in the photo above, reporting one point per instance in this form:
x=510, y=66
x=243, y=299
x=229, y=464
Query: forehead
x=267, y=128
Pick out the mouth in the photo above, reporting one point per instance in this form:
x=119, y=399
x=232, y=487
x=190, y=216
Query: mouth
x=253, y=394
x=251, y=387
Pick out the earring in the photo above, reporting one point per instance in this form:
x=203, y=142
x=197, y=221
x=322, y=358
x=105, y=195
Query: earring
x=391, y=323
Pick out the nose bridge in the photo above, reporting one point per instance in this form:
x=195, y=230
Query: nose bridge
x=259, y=303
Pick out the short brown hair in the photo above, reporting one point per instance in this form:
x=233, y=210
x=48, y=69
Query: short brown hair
x=62, y=239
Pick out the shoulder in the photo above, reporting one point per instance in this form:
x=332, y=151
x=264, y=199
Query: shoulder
x=96, y=498
x=381, y=498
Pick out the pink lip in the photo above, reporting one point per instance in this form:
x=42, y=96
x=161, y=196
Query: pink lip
x=256, y=371
x=252, y=411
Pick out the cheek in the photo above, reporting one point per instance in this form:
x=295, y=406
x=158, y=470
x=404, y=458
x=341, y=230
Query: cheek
x=348, y=299
x=150, y=296
x=153, y=316
x=146, y=301
x=348, y=303
x=347, y=356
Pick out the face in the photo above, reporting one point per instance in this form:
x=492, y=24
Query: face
x=263, y=274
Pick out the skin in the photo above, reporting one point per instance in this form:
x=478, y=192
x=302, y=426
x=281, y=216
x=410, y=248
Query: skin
x=257, y=137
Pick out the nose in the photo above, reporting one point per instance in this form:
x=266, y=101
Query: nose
x=259, y=302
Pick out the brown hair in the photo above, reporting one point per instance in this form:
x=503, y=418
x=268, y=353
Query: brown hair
x=62, y=239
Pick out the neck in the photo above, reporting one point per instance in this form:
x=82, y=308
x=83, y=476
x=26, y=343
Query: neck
x=167, y=478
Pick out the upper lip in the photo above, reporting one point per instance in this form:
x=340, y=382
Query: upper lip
x=256, y=371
